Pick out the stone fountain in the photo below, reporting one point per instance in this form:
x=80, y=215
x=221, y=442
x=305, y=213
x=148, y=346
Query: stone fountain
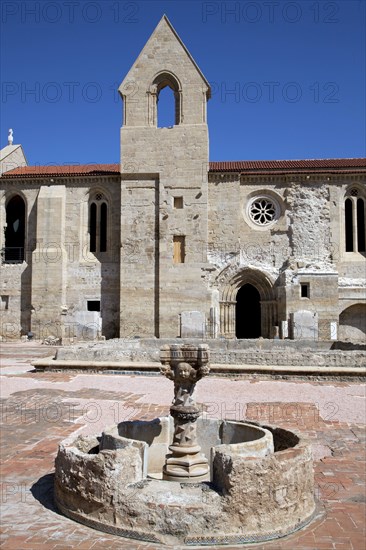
x=185, y=365
x=187, y=479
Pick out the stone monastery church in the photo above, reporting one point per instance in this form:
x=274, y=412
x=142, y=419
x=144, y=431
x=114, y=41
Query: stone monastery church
x=166, y=244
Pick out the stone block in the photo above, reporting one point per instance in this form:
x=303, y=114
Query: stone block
x=192, y=324
x=87, y=324
x=304, y=325
x=283, y=330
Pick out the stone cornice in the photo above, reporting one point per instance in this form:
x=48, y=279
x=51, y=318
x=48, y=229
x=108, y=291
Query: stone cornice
x=223, y=177
x=330, y=177
x=67, y=180
x=288, y=179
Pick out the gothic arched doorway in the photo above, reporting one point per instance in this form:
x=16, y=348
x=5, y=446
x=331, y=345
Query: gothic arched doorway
x=248, y=312
x=248, y=305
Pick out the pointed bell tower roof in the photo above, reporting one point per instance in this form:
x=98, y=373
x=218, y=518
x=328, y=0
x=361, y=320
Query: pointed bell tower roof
x=164, y=45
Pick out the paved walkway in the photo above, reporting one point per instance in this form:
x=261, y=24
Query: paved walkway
x=38, y=410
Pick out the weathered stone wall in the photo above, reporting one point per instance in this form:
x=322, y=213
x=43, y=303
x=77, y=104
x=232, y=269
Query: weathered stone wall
x=231, y=232
x=279, y=486
x=10, y=304
x=48, y=293
x=139, y=304
x=309, y=222
x=303, y=247
x=242, y=352
x=49, y=276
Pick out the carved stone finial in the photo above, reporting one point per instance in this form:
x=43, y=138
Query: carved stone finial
x=10, y=137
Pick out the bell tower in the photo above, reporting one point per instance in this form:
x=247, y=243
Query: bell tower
x=164, y=61
x=164, y=185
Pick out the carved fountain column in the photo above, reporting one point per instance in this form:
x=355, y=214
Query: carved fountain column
x=185, y=365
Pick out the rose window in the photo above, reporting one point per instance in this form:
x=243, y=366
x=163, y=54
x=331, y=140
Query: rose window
x=262, y=211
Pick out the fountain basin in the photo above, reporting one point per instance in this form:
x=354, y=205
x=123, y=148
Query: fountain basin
x=261, y=483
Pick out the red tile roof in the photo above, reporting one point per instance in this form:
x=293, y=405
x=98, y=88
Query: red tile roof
x=244, y=166
x=65, y=170
x=267, y=165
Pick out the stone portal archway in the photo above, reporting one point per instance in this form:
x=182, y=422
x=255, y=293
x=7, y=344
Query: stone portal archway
x=248, y=312
x=248, y=306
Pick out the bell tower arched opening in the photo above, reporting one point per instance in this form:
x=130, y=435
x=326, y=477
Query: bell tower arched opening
x=165, y=95
x=166, y=110
x=248, y=313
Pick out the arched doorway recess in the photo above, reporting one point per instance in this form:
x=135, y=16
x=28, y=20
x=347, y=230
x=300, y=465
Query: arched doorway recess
x=248, y=312
x=250, y=294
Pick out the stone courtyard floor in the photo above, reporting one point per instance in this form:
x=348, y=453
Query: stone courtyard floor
x=38, y=410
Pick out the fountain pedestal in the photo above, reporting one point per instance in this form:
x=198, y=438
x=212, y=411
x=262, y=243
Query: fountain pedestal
x=185, y=365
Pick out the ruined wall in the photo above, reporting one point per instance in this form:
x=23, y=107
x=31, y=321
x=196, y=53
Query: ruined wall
x=318, y=253
x=309, y=222
x=232, y=233
x=301, y=248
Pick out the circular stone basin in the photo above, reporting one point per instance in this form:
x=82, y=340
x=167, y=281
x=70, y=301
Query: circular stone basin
x=261, y=483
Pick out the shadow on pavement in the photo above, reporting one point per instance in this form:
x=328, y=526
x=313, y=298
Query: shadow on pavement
x=43, y=491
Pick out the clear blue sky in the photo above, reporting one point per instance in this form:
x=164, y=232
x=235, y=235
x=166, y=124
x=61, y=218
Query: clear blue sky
x=295, y=70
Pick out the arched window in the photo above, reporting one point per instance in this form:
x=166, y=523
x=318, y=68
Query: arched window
x=354, y=221
x=98, y=223
x=361, y=225
x=15, y=230
x=349, y=225
x=165, y=92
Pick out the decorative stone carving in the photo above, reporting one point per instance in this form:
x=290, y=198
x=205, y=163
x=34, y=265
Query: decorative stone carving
x=185, y=365
x=263, y=210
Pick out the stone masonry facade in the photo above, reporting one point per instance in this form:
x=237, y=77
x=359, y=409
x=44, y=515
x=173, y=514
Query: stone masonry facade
x=166, y=244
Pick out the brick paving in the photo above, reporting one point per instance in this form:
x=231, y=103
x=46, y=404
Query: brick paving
x=38, y=410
